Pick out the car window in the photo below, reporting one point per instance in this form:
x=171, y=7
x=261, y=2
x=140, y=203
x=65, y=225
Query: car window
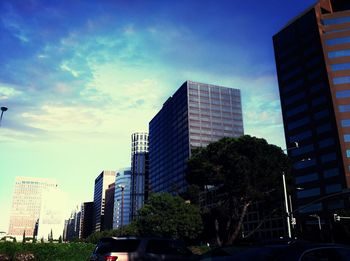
x=166, y=247
x=127, y=245
x=321, y=254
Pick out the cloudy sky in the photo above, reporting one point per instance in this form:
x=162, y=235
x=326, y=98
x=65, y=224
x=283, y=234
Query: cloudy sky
x=80, y=76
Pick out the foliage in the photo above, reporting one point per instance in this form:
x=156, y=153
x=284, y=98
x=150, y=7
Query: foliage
x=169, y=216
x=233, y=173
x=57, y=252
x=60, y=239
x=127, y=230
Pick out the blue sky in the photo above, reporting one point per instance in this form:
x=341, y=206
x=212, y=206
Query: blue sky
x=79, y=77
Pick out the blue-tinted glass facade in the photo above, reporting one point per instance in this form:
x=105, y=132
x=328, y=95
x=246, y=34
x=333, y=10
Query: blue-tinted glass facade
x=122, y=198
x=194, y=116
x=309, y=115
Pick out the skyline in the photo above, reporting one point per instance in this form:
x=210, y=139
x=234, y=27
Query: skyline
x=79, y=78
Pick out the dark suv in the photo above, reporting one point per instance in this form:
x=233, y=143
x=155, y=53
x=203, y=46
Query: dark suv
x=139, y=248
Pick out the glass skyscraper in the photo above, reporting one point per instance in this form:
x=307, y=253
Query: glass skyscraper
x=101, y=184
x=139, y=171
x=196, y=115
x=122, y=204
x=312, y=55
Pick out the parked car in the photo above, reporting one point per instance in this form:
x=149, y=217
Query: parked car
x=138, y=248
x=292, y=251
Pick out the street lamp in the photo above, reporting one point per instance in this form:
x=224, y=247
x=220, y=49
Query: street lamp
x=3, y=109
x=122, y=187
x=286, y=196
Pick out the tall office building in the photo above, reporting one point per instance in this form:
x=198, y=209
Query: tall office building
x=312, y=55
x=27, y=204
x=196, y=115
x=139, y=171
x=122, y=204
x=109, y=207
x=101, y=184
x=86, y=218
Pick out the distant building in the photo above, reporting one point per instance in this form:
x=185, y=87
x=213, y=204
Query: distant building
x=109, y=207
x=122, y=204
x=52, y=214
x=86, y=219
x=139, y=171
x=101, y=184
x=72, y=226
x=196, y=115
x=312, y=55
x=27, y=204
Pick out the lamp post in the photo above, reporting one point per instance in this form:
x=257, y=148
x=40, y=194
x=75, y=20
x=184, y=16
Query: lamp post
x=286, y=196
x=3, y=109
x=122, y=187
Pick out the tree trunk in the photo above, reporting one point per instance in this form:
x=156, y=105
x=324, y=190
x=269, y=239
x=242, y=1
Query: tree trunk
x=239, y=225
x=218, y=240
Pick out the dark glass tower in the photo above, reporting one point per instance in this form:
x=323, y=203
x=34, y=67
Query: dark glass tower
x=194, y=116
x=313, y=65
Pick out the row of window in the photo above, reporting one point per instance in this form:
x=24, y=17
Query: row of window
x=339, y=53
x=339, y=20
x=341, y=40
x=341, y=80
x=340, y=66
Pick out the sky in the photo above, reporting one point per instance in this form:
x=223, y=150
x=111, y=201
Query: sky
x=79, y=77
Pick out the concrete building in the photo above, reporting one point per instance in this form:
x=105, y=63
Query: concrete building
x=312, y=55
x=139, y=171
x=86, y=219
x=101, y=184
x=196, y=115
x=27, y=204
x=109, y=207
x=122, y=204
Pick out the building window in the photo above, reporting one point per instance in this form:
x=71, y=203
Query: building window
x=328, y=157
x=302, y=150
x=319, y=100
x=348, y=153
x=340, y=53
x=296, y=110
x=345, y=123
x=344, y=108
x=347, y=137
x=339, y=20
x=341, y=40
x=306, y=178
x=309, y=193
x=294, y=98
x=321, y=114
x=326, y=142
x=331, y=173
x=323, y=128
x=333, y=188
x=301, y=136
x=304, y=164
x=342, y=94
x=312, y=208
x=298, y=123
x=341, y=80
x=294, y=85
x=340, y=66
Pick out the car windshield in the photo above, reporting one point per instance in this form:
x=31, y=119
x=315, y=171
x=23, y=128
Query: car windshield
x=120, y=245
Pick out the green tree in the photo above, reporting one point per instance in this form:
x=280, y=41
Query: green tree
x=237, y=172
x=169, y=216
x=60, y=239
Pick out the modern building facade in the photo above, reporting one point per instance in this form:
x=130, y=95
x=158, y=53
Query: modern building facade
x=86, y=219
x=139, y=171
x=312, y=55
x=27, y=204
x=101, y=184
x=122, y=202
x=196, y=115
x=109, y=207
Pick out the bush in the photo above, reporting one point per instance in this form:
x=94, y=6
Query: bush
x=42, y=252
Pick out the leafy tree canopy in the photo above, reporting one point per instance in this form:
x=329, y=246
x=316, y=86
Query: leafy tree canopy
x=169, y=216
x=242, y=171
